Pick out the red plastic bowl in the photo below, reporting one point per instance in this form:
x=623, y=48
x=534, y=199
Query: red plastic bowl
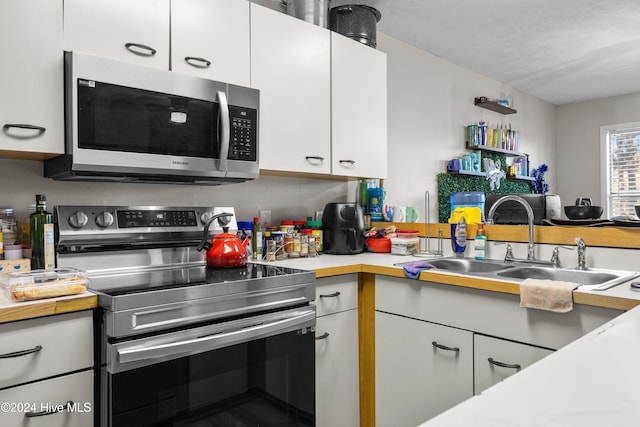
x=380, y=245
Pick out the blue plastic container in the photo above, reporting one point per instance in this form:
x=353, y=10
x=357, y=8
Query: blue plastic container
x=467, y=199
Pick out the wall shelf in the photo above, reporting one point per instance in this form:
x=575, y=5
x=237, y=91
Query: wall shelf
x=483, y=102
x=497, y=150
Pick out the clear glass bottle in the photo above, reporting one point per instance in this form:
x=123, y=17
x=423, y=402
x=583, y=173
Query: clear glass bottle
x=256, y=239
x=9, y=226
x=42, y=239
x=25, y=231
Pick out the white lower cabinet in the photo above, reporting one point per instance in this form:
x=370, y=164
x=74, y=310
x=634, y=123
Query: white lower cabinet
x=65, y=401
x=46, y=375
x=417, y=379
x=422, y=369
x=337, y=368
x=496, y=359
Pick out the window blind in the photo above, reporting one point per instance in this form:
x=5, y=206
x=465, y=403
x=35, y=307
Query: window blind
x=623, y=152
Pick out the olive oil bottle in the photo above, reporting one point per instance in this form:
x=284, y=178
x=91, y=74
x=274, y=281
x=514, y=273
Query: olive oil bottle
x=42, y=238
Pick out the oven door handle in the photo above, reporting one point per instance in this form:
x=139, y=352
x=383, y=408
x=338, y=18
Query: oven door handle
x=217, y=340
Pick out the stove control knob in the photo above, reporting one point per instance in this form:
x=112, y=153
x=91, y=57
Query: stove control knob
x=104, y=219
x=78, y=219
x=204, y=217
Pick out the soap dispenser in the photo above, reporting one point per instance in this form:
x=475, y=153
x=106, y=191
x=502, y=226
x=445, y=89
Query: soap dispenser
x=480, y=243
x=459, y=237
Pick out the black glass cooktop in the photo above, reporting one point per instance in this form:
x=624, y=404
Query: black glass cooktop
x=141, y=281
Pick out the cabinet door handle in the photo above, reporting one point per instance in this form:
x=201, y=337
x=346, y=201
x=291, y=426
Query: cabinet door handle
x=323, y=336
x=444, y=347
x=504, y=365
x=21, y=353
x=316, y=160
x=40, y=130
x=140, y=49
x=347, y=163
x=333, y=295
x=197, y=62
x=54, y=410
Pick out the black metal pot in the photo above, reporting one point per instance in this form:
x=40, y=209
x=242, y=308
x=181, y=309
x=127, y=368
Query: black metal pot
x=356, y=21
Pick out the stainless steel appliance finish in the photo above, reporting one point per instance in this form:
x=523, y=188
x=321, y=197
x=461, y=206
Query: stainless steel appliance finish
x=128, y=123
x=246, y=331
x=545, y=206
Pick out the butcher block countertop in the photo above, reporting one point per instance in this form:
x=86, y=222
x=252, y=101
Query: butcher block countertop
x=11, y=310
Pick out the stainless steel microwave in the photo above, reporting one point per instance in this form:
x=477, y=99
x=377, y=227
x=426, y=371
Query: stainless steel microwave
x=127, y=123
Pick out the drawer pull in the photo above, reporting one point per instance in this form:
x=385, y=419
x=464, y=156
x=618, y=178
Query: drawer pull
x=21, y=353
x=504, y=365
x=315, y=160
x=54, y=410
x=323, y=336
x=333, y=295
x=39, y=129
x=444, y=347
x=347, y=163
x=140, y=49
x=197, y=62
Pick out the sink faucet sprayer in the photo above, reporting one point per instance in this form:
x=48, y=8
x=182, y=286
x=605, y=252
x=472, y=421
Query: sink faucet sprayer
x=510, y=197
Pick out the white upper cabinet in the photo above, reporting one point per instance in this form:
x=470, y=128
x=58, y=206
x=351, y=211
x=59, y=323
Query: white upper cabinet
x=210, y=39
x=290, y=65
x=134, y=31
x=358, y=109
x=31, y=109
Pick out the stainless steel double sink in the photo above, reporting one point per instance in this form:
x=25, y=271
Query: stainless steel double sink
x=591, y=279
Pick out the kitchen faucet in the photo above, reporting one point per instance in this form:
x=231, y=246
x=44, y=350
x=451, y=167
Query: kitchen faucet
x=511, y=197
x=582, y=256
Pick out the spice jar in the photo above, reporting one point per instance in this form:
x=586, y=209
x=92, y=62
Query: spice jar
x=316, y=231
x=278, y=238
x=9, y=226
x=287, y=226
x=304, y=245
x=311, y=242
x=288, y=243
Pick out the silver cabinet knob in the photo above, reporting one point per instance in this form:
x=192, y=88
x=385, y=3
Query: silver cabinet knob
x=78, y=219
x=104, y=219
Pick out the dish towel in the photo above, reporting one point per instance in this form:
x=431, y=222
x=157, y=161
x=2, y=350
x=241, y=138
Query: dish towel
x=550, y=295
x=413, y=269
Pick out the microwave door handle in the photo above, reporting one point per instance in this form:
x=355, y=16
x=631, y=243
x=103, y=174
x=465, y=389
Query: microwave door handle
x=223, y=119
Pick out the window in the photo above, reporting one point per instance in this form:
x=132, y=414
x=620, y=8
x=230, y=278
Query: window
x=621, y=182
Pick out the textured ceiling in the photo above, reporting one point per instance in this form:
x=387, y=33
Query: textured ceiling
x=561, y=51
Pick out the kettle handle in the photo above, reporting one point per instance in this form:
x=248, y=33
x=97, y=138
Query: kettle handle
x=204, y=242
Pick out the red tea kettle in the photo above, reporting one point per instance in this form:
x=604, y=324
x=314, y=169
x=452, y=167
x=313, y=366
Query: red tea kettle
x=225, y=249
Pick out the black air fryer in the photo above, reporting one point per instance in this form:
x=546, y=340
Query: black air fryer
x=343, y=229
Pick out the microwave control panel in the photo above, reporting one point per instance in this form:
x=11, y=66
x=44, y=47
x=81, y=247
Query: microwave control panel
x=243, y=137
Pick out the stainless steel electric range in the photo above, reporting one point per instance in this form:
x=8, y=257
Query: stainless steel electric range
x=180, y=344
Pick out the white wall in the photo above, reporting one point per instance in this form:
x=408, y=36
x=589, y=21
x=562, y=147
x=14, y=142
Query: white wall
x=578, y=136
x=290, y=198
x=430, y=103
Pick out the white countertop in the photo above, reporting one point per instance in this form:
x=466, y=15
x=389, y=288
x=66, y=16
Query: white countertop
x=592, y=382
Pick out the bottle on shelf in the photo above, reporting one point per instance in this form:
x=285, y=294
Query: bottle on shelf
x=256, y=239
x=42, y=238
x=25, y=231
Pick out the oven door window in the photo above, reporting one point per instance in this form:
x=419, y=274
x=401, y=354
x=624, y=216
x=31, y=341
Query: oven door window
x=266, y=382
x=119, y=118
